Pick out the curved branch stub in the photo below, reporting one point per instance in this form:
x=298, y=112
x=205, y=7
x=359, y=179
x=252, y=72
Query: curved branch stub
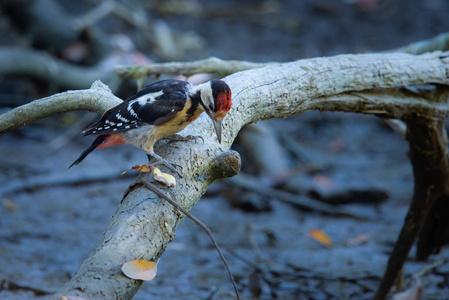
x=227, y=164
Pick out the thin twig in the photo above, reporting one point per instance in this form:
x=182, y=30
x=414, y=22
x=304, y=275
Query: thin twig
x=423, y=271
x=418, y=275
x=58, y=179
x=429, y=268
x=272, y=276
x=161, y=194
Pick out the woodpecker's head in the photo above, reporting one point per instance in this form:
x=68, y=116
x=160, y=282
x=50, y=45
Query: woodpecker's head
x=216, y=102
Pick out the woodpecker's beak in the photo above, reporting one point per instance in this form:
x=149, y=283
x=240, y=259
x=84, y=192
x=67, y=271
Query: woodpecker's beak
x=217, y=126
x=217, y=120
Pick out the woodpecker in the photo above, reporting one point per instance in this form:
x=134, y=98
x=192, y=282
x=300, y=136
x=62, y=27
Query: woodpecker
x=159, y=110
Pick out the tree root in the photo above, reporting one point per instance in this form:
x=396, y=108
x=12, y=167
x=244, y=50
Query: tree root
x=428, y=155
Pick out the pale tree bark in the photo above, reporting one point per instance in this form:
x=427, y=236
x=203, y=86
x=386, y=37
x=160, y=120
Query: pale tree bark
x=208, y=65
x=144, y=224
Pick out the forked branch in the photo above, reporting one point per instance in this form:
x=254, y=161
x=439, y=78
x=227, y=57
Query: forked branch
x=143, y=225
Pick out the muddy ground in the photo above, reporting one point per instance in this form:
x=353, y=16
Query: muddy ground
x=51, y=217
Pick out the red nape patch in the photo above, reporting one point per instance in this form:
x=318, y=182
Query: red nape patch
x=111, y=140
x=224, y=101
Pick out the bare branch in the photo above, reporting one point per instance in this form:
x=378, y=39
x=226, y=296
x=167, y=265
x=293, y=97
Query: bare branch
x=209, y=65
x=98, y=99
x=223, y=67
x=303, y=202
x=437, y=43
x=20, y=61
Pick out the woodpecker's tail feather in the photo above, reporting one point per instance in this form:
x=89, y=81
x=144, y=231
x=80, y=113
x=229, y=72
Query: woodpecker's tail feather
x=98, y=141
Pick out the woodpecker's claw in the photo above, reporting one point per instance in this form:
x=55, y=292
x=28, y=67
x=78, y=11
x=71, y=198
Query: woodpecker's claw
x=162, y=161
x=179, y=138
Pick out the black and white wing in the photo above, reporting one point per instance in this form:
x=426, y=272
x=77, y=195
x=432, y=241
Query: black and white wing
x=155, y=104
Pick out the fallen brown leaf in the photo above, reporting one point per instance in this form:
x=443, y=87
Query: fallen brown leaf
x=9, y=205
x=321, y=237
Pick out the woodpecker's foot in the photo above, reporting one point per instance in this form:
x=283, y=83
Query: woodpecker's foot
x=162, y=161
x=179, y=138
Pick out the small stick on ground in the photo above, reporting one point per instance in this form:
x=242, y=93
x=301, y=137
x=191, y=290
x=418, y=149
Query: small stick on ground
x=161, y=194
x=248, y=182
